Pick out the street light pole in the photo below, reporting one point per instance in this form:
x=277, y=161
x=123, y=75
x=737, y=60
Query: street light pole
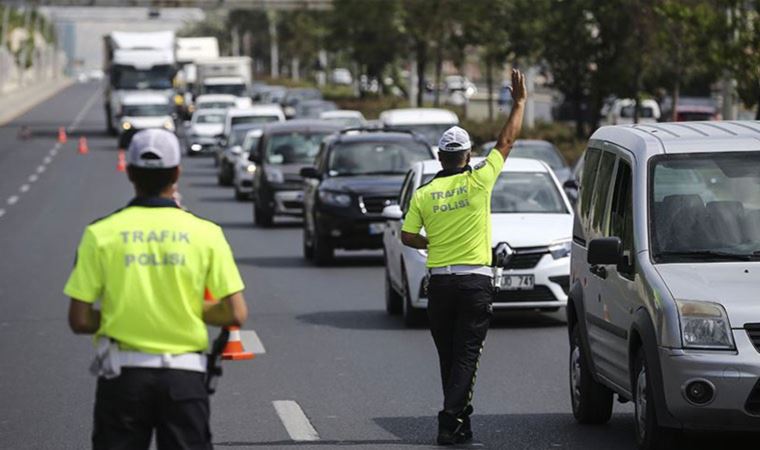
x=274, y=51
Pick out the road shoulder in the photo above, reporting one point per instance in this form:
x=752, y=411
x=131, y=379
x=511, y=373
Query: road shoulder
x=16, y=103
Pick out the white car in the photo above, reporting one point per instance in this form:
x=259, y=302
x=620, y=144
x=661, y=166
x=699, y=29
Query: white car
x=203, y=130
x=348, y=118
x=142, y=110
x=430, y=123
x=530, y=213
x=215, y=101
x=620, y=112
x=256, y=114
x=242, y=178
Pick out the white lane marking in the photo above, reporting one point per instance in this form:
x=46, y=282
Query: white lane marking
x=33, y=178
x=47, y=160
x=295, y=421
x=40, y=169
x=12, y=199
x=24, y=188
x=84, y=110
x=251, y=342
x=2, y=212
x=53, y=151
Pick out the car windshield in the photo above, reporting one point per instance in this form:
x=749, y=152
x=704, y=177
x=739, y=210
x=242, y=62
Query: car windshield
x=210, y=118
x=238, y=90
x=215, y=105
x=127, y=77
x=542, y=152
x=253, y=119
x=645, y=112
x=430, y=132
x=313, y=110
x=145, y=110
x=294, y=148
x=346, y=122
x=705, y=207
x=371, y=158
x=238, y=134
x=526, y=192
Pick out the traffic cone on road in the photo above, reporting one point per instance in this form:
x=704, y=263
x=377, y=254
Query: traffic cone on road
x=61, y=135
x=234, y=349
x=121, y=165
x=83, y=148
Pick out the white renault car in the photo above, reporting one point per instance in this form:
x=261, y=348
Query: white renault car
x=530, y=213
x=242, y=176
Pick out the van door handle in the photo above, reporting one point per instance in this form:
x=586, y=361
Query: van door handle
x=599, y=271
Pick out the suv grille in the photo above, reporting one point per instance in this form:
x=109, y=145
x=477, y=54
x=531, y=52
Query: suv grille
x=753, y=331
x=539, y=294
x=753, y=401
x=375, y=205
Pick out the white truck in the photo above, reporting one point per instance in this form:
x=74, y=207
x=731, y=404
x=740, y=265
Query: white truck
x=136, y=61
x=228, y=75
x=190, y=50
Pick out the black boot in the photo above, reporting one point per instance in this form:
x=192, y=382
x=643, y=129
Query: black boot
x=464, y=435
x=449, y=427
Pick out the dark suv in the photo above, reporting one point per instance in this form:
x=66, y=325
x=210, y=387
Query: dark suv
x=358, y=173
x=285, y=148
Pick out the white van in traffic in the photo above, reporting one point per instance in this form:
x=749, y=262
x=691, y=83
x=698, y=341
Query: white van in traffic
x=430, y=123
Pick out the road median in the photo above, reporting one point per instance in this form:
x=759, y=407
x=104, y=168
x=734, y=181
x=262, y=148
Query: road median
x=17, y=102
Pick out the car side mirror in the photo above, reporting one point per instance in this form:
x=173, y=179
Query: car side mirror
x=605, y=251
x=310, y=172
x=571, y=184
x=392, y=212
x=236, y=150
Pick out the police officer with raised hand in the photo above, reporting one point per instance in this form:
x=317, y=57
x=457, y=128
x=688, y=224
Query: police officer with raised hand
x=148, y=265
x=455, y=211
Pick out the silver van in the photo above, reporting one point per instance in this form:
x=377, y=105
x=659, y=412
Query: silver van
x=664, y=302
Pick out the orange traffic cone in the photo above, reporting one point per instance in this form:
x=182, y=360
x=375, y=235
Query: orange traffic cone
x=234, y=349
x=121, y=165
x=61, y=135
x=83, y=148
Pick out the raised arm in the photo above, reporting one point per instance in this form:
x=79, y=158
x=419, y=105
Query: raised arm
x=512, y=128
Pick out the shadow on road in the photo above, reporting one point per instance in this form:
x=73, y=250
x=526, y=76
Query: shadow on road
x=273, y=261
x=320, y=443
x=526, y=319
x=353, y=320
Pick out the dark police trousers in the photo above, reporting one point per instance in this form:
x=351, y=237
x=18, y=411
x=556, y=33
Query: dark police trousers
x=459, y=312
x=172, y=402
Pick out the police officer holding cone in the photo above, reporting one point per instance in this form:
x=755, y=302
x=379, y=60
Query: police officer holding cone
x=148, y=265
x=455, y=211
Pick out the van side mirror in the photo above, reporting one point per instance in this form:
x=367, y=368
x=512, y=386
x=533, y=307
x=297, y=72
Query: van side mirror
x=310, y=172
x=605, y=251
x=392, y=212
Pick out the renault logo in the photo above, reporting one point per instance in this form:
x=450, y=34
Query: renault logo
x=503, y=254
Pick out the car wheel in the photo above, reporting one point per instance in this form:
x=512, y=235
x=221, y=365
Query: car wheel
x=591, y=401
x=413, y=317
x=262, y=217
x=308, y=246
x=393, y=301
x=649, y=434
x=323, y=251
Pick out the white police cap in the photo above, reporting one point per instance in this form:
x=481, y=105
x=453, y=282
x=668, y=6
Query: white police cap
x=455, y=139
x=154, y=148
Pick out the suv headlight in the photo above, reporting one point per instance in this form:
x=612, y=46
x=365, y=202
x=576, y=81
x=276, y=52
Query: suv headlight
x=251, y=168
x=704, y=325
x=275, y=176
x=561, y=249
x=334, y=198
x=169, y=125
x=126, y=126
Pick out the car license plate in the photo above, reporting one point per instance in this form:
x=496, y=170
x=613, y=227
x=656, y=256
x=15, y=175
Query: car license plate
x=518, y=282
x=376, y=228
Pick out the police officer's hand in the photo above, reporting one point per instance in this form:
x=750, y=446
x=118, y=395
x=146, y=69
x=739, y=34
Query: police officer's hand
x=519, y=92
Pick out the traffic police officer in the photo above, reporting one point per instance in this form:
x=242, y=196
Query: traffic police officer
x=148, y=265
x=455, y=211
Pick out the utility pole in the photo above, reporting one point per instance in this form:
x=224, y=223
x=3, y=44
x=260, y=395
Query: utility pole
x=274, y=50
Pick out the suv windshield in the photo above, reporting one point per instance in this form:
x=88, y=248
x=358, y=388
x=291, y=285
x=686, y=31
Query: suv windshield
x=431, y=133
x=210, y=118
x=294, y=148
x=706, y=207
x=145, y=110
x=541, y=152
x=215, y=105
x=253, y=119
x=370, y=158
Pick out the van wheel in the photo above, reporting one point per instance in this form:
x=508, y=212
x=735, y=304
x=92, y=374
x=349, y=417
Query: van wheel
x=323, y=251
x=649, y=434
x=591, y=401
x=308, y=246
x=393, y=305
x=262, y=217
x=413, y=317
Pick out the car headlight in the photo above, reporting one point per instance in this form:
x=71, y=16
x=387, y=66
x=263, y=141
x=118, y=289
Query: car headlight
x=251, y=168
x=126, y=126
x=169, y=125
x=334, y=198
x=704, y=325
x=561, y=249
x=196, y=147
x=275, y=176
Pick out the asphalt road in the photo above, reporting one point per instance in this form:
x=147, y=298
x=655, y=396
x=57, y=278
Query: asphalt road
x=359, y=378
